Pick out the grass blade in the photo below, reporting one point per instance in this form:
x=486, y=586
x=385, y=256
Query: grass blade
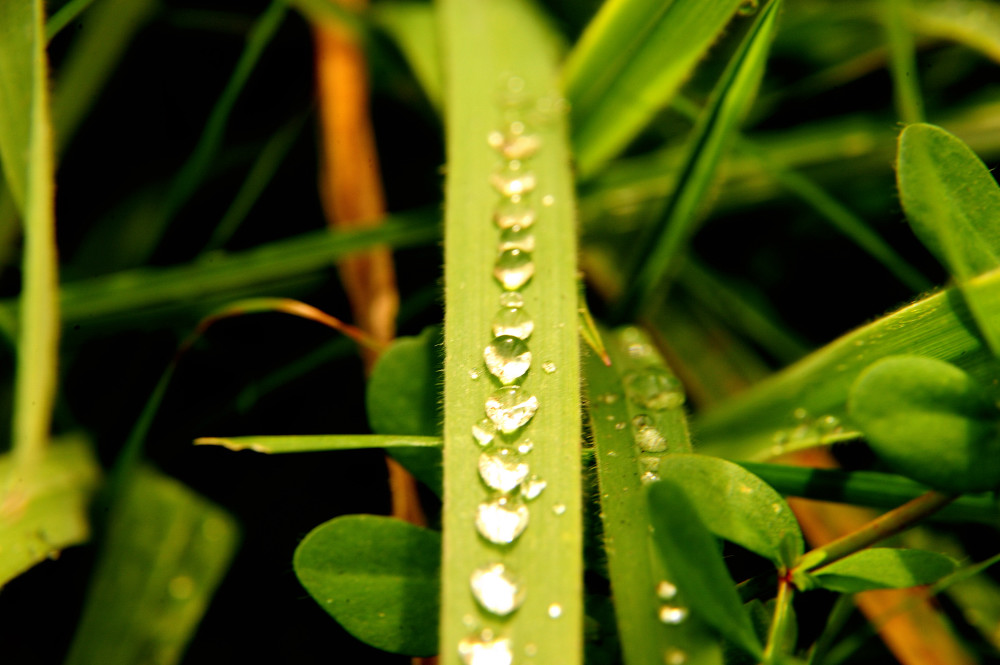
x=482, y=42
x=631, y=60
x=316, y=443
x=729, y=103
x=903, y=62
x=413, y=27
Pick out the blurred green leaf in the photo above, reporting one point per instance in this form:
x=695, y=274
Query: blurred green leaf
x=691, y=554
x=378, y=577
x=930, y=421
x=165, y=551
x=883, y=568
x=413, y=27
x=318, y=443
x=20, y=45
x=736, y=505
x=46, y=511
x=630, y=61
x=951, y=201
x=726, y=108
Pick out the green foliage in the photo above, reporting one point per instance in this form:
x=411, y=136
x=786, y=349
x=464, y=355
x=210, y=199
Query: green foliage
x=883, y=568
x=378, y=577
x=930, y=421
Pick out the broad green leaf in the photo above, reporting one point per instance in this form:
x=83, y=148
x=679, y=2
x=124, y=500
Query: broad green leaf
x=951, y=201
x=883, y=568
x=378, y=577
x=690, y=552
x=736, y=505
x=165, y=551
x=640, y=582
x=316, y=443
x=726, y=108
x=632, y=58
x=413, y=27
x=48, y=511
x=930, y=421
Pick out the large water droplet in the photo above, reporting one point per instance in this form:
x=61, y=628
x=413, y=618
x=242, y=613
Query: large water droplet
x=515, y=211
x=511, y=300
x=513, y=321
x=517, y=237
x=511, y=408
x=672, y=615
x=497, y=589
x=501, y=520
x=513, y=269
x=555, y=610
x=513, y=179
x=647, y=435
x=484, y=432
x=508, y=358
x=482, y=650
x=666, y=590
x=502, y=468
x=532, y=488
x=654, y=388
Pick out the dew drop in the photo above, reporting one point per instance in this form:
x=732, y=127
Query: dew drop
x=517, y=237
x=532, y=488
x=647, y=435
x=513, y=269
x=555, y=610
x=496, y=588
x=649, y=477
x=559, y=508
x=514, y=146
x=514, y=211
x=748, y=7
x=513, y=321
x=530, y=649
x=501, y=521
x=620, y=426
x=639, y=350
x=548, y=200
x=672, y=615
x=549, y=367
x=502, y=469
x=484, y=432
x=508, y=358
x=666, y=590
x=525, y=446
x=483, y=650
x=513, y=179
x=800, y=414
x=511, y=300
x=674, y=656
x=511, y=408
x=473, y=374
x=467, y=620
x=654, y=388
x=650, y=463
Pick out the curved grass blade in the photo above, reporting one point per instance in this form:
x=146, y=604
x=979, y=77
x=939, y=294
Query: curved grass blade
x=635, y=573
x=883, y=568
x=483, y=42
x=631, y=60
x=165, y=552
x=808, y=399
x=728, y=105
x=973, y=23
x=413, y=27
x=317, y=443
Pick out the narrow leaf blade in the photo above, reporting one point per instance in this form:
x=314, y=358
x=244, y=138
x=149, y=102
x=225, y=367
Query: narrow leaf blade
x=884, y=568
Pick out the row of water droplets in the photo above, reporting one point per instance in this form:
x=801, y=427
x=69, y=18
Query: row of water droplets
x=503, y=515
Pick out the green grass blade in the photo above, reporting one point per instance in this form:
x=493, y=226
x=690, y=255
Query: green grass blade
x=634, y=572
x=903, y=62
x=317, y=443
x=807, y=400
x=413, y=27
x=729, y=102
x=26, y=149
x=50, y=511
x=974, y=23
x=483, y=41
x=165, y=552
x=631, y=60
x=66, y=14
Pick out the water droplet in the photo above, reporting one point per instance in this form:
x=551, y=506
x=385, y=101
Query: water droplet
x=748, y=8
x=666, y=590
x=514, y=146
x=532, y=488
x=548, y=200
x=555, y=610
x=473, y=374
x=674, y=656
x=496, y=588
x=501, y=520
x=513, y=269
x=800, y=414
x=639, y=350
x=513, y=321
x=559, y=508
x=649, y=477
x=517, y=237
x=511, y=300
x=654, y=388
x=482, y=650
x=608, y=398
x=181, y=587
x=530, y=649
x=525, y=446
x=650, y=463
x=508, y=358
x=484, y=432
x=511, y=408
x=502, y=468
x=467, y=620
x=549, y=367
x=620, y=426
x=514, y=211
x=672, y=615
x=513, y=179
x=647, y=436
